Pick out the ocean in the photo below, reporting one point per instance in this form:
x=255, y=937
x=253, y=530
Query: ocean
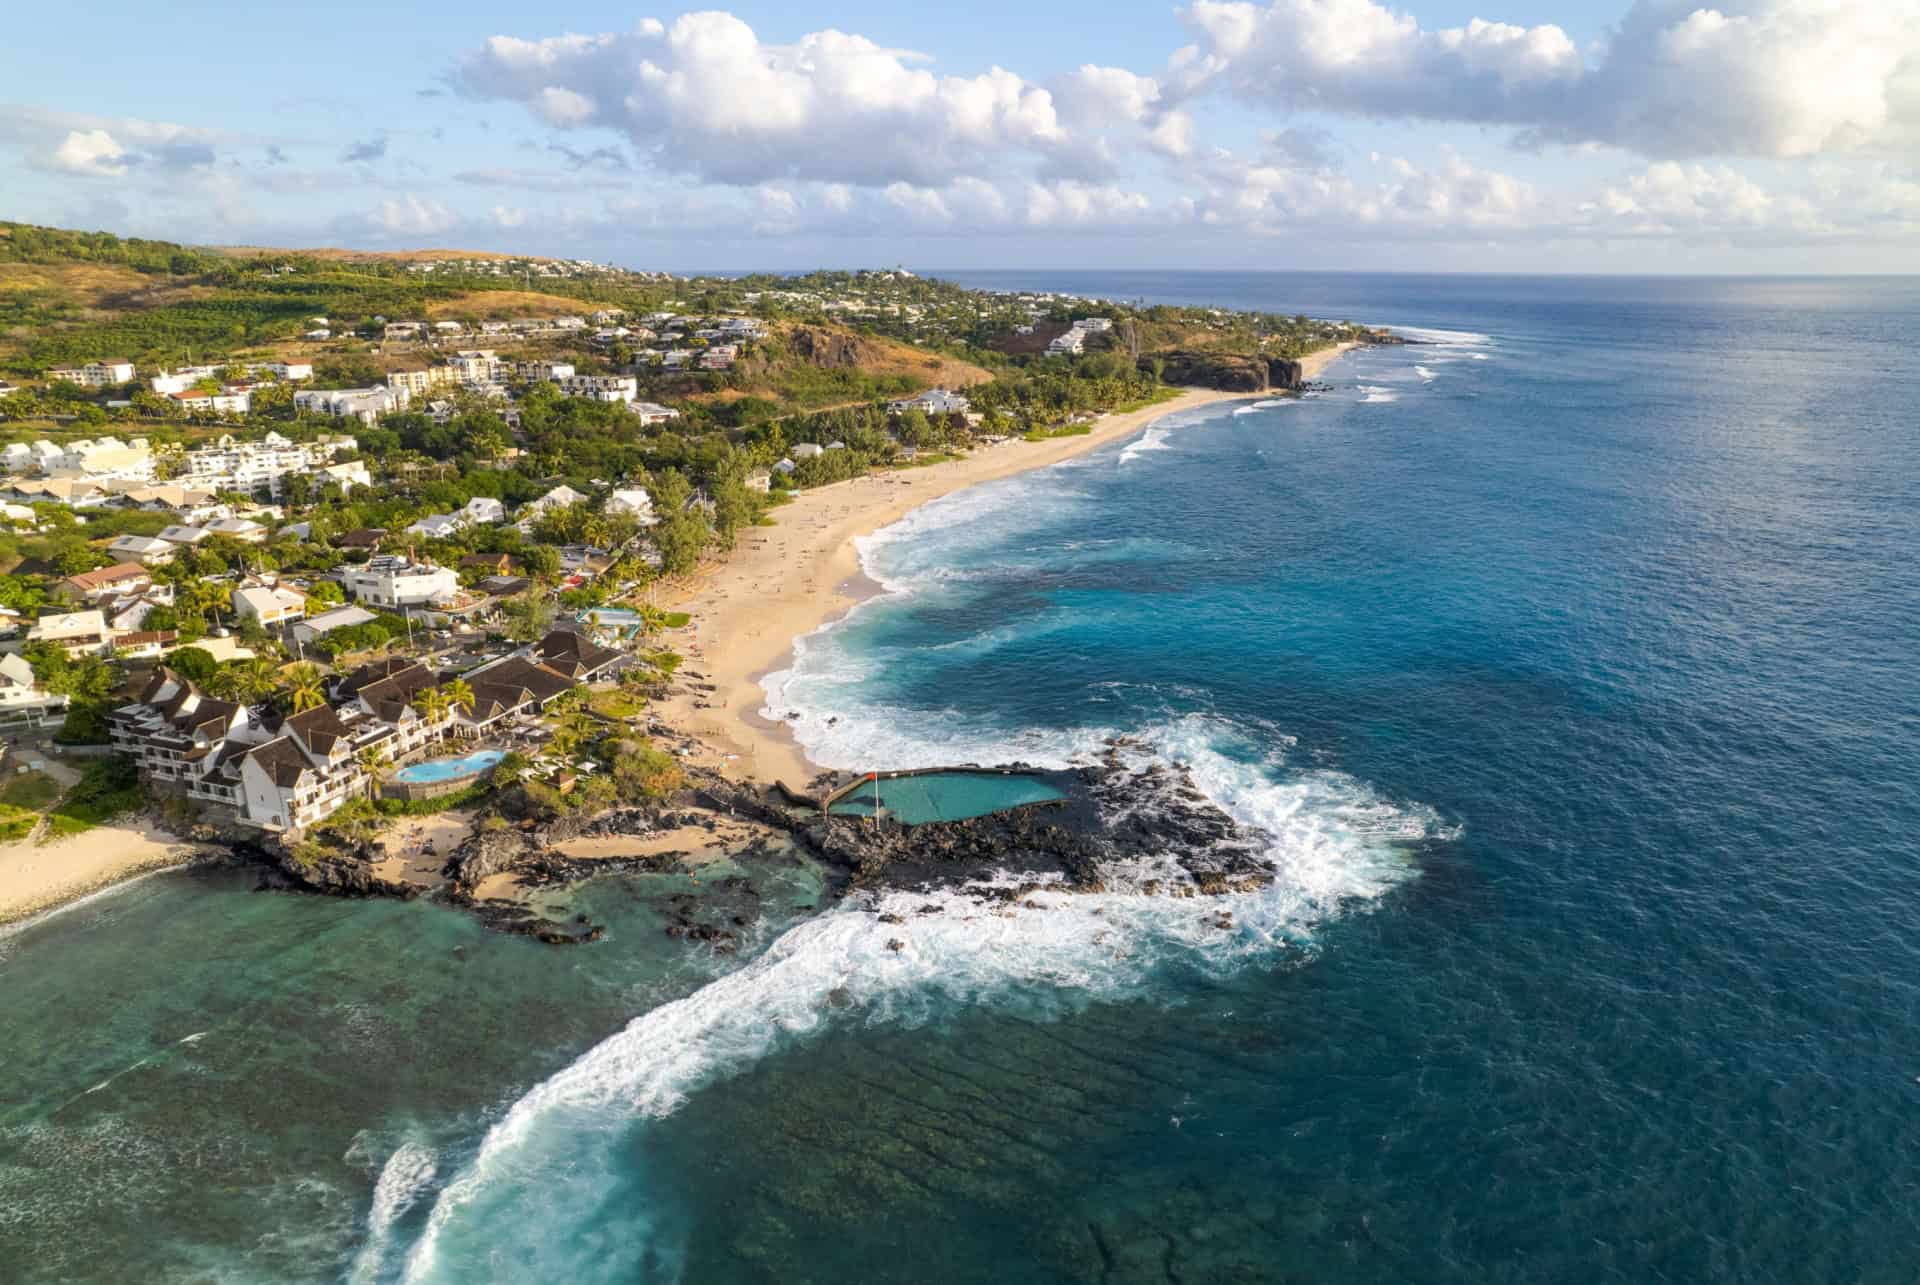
x=1567, y=657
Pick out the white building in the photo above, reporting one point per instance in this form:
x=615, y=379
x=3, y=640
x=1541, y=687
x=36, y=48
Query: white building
x=22, y=699
x=108, y=372
x=560, y=497
x=363, y=404
x=102, y=459
x=269, y=605
x=169, y=382
x=634, y=502
x=600, y=388
x=935, y=401
x=143, y=549
x=231, y=400
x=653, y=412
x=394, y=583
x=231, y=465
x=807, y=450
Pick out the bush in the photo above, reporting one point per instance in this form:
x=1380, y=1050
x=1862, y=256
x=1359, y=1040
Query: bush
x=109, y=788
x=427, y=807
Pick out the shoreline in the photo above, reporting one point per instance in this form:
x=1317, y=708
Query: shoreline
x=37, y=879
x=786, y=581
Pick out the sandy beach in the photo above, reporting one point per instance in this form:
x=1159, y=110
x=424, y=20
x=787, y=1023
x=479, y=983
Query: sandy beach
x=36, y=877
x=787, y=580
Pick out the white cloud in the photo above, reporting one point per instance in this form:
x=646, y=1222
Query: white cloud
x=410, y=215
x=1677, y=79
x=90, y=152
x=705, y=96
x=105, y=146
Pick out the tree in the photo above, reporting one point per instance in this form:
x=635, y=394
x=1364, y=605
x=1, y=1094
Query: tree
x=325, y=594
x=195, y=664
x=433, y=705
x=459, y=695
x=303, y=686
x=371, y=758
x=528, y=618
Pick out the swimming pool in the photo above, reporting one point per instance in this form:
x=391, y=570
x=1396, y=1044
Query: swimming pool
x=944, y=796
x=434, y=771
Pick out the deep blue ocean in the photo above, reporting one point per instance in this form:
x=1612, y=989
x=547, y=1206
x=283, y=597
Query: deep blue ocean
x=1567, y=656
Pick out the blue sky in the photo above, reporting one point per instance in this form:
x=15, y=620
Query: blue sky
x=1639, y=135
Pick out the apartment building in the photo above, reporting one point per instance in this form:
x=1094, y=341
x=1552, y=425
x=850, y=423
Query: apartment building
x=108, y=372
x=250, y=467
x=363, y=404
x=600, y=388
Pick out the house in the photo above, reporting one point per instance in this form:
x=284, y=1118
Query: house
x=485, y=509
x=145, y=644
x=560, y=497
x=143, y=549
x=438, y=526
x=543, y=371
x=653, y=412
x=77, y=633
x=808, y=450
x=188, y=503
x=22, y=700
x=121, y=577
x=102, y=459
x=314, y=628
x=241, y=529
x=269, y=605
x=367, y=538
x=491, y=564
x=935, y=401
x=348, y=475
x=108, y=372
x=760, y=480
x=633, y=502
x=396, y=583
x=720, y=357
x=183, y=534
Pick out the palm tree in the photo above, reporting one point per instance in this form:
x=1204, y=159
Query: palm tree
x=433, y=705
x=652, y=619
x=458, y=694
x=303, y=686
x=371, y=758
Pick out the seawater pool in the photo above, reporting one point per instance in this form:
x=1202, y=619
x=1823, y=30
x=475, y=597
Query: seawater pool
x=945, y=796
x=449, y=769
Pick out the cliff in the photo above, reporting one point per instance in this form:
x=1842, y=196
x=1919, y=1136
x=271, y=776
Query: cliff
x=1230, y=372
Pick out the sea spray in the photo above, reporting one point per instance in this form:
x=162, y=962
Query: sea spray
x=902, y=957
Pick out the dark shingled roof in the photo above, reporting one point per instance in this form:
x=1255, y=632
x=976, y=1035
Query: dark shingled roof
x=574, y=655
x=282, y=761
x=319, y=729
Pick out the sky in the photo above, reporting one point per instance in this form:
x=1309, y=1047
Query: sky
x=1604, y=136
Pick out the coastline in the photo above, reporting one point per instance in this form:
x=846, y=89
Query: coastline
x=36, y=878
x=786, y=581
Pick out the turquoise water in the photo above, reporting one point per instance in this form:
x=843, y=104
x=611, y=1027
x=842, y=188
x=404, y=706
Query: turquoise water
x=449, y=769
x=1569, y=662
x=945, y=796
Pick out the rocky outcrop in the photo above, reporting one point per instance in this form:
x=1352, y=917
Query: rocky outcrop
x=1285, y=372
x=1111, y=813
x=1225, y=371
x=334, y=873
x=828, y=348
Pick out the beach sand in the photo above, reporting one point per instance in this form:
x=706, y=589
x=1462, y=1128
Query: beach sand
x=36, y=877
x=787, y=580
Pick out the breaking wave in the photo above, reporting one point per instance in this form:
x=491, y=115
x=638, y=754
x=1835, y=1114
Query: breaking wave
x=905, y=958
x=1375, y=393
